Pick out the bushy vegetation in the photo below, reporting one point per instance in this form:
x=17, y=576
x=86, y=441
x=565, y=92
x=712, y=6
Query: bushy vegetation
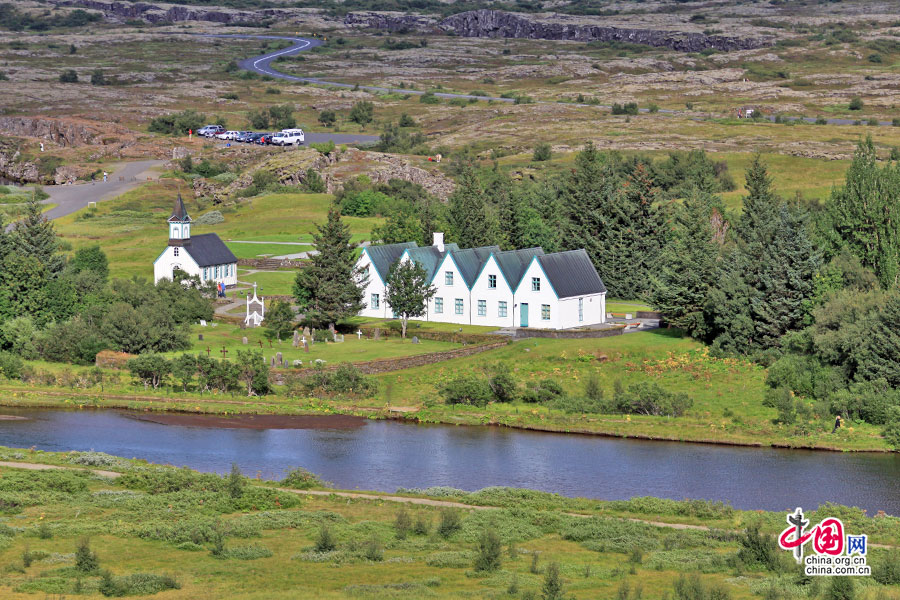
x=177, y=123
x=345, y=379
x=15, y=20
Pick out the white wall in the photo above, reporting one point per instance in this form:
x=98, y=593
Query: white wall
x=230, y=279
x=374, y=286
x=546, y=295
x=167, y=261
x=594, y=311
x=481, y=291
x=449, y=293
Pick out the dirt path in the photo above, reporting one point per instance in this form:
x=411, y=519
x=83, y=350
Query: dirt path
x=40, y=467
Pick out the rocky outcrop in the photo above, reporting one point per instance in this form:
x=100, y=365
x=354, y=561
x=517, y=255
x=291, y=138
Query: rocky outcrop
x=501, y=24
x=14, y=167
x=64, y=133
x=169, y=13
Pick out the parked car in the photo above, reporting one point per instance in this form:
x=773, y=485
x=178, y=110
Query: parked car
x=210, y=130
x=228, y=135
x=242, y=136
x=253, y=137
x=288, y=137
x=265, y=139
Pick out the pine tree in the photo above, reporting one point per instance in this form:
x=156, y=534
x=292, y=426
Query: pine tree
x=687, y=267
x=401, y=225
x=583, y=195
x=642, y=232
x=331, y=287
x=35, y=236
x=471, y=223
x=866, y=215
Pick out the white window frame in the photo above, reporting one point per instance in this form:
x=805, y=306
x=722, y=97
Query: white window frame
x=448, y=277
x=535, y=284
x=501, y=308
x=375, y=301
x=482, y=308
x=438, y=306
x=581, y=309
x=460, y=306
x=545, y=309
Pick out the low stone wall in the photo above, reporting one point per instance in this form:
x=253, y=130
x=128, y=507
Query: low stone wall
x=386, y=365
x=569, y=333
x=437, y=336
x=647, y=314
x=271, y=263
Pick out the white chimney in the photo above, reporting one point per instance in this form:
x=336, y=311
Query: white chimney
x=439, y=241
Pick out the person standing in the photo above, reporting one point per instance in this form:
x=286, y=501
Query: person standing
x=837, y=424
x=104, y=176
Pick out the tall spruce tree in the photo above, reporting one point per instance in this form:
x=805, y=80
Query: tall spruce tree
x=865, y=213
x=584, y=194
x=688, y=266
x=471, y=222
x=35, y=236
x=642, y=232
x=331, y=287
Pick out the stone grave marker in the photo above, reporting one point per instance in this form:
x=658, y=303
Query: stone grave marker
x=200, y=336
x=415, y=339
x=296, y=341
x=279, y=359
x=377, y=333
x=244, y=341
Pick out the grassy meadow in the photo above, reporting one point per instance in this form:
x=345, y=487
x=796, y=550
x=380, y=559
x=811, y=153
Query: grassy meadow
x=176, y=534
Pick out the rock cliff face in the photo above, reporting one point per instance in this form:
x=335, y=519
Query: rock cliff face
x=500, y=24
x=64, y=133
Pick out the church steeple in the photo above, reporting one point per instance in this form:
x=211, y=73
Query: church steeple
x=179, y=224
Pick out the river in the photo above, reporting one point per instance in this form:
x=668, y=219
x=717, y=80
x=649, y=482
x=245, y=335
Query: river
x=384, y=455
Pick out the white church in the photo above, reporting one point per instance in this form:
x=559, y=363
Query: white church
x=204, y=255
x=487, y=286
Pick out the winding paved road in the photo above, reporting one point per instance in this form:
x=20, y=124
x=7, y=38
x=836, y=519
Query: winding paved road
x=263, y=65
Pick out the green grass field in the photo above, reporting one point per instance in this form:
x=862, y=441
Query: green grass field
x=132, y=231
x=350, y=350
x=270, y=283
x=257, y=541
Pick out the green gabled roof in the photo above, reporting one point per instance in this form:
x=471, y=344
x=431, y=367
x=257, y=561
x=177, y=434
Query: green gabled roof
x=384, y=256
x=429, y=257
x=513, y=263
x=471, y=260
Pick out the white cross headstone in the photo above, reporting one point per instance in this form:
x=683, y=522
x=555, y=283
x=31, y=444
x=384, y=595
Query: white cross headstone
x=303, y=340
x=358, y=334
x=202, y=323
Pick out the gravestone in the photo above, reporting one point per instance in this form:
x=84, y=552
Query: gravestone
x=200, y=336
x=306, y=332
x=377, y=334
x=273, y=362
x=298, y=363
x=305, y=347
x=279, y=359
x=296, y=341
x=415, y=340
x=202, y=323
x=244, y=341
x=312, y=337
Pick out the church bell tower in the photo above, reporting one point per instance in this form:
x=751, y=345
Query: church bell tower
x=179, y=224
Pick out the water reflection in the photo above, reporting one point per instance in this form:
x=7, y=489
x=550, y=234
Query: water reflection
x=386, y=455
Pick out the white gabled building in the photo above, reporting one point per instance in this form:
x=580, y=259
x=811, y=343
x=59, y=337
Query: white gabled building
x=487, y=286
x=205, y=256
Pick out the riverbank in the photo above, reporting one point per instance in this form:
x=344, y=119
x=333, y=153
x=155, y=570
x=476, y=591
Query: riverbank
x=858, y=437
x=187, y=534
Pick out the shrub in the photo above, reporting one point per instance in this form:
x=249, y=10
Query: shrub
x=86, y=561
x=542, y=152
x=649, y=398
x=467, y=389
x=488, y=557
x=97, y=77
x=325, y=542
x=553, y=586
x=68, y=76
x=841, y=588
x=323, y=147
x=629, y=108
x=213, y=217
x=891, y=434
x=503, y=385
x=820, y=120
x=406, y=121
x=177, y=123
x=887, y=570
x=856, y=104
x=875, y=58
x=272, y=90
x=402, y=523
x=373, y=550
x=422, y=525
x=136, y=584
x=450, y=523
x=693, y=588
x=362, y=112
x=758, y=550
x=429, y=98
x=543, y=392
x=44, y=532
x=11, y=365
x=300, y=479
x=235, y=482
x=327, y=117
x=653, y=108
x=251, y=552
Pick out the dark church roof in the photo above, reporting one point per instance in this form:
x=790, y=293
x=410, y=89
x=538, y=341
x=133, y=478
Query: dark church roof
x=179, y=213
x=207, y=250
x=385, y=255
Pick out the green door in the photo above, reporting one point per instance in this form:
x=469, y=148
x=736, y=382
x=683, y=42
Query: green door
x=523, y=310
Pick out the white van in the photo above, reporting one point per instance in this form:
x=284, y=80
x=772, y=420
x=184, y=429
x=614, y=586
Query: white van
x=288, y=137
